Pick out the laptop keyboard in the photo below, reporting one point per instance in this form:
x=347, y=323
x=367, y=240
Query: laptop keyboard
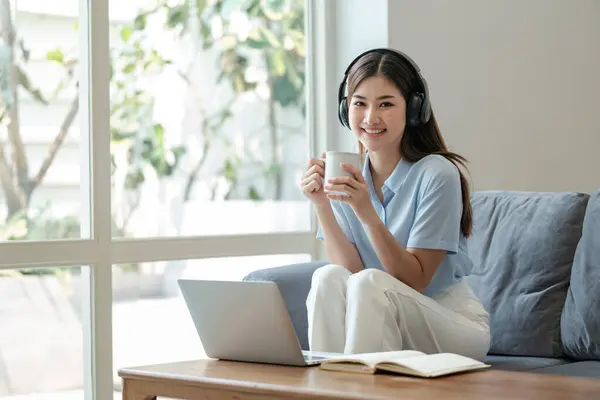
x=314, y=358
x=308, y=356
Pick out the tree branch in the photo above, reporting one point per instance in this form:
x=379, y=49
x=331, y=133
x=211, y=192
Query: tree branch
x=24, y=81
x=184, y=76
x=58, y=141
x=133, y=206
x=7, y=30
x=191, y=179
x=19, y=158
x=14, y=196
x=208, y=132
x=8, y=33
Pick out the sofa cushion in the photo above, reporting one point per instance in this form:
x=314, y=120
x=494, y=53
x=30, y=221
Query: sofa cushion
x=520, y=363
x=580, y=323
x=522, y=247
x=587, y=369
x=293, y=282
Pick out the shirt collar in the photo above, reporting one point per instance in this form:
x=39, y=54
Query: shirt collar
x=394, y=181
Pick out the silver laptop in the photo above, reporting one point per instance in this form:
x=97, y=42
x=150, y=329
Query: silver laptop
x=245, y=321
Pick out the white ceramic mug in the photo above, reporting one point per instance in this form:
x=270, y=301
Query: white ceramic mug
x=333, y=168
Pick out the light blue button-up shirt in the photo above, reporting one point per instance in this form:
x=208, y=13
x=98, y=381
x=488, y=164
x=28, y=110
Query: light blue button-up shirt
x=422, y=208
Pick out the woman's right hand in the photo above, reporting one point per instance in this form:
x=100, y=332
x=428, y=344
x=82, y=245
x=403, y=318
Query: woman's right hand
x=312, y=183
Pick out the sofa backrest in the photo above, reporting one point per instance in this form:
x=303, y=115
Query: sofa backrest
x=580, y=323
x=523, y=245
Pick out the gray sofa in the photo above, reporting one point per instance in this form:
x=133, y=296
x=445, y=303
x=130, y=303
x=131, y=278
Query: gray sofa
x=537, y=272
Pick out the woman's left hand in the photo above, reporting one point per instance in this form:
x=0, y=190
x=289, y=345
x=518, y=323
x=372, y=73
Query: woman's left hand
x=357, y=193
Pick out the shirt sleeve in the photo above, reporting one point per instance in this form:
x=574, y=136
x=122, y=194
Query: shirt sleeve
x=342, y=220
x=438, y=211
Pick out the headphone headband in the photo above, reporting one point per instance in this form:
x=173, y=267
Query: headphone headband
x=418, y=106
x=383, y=50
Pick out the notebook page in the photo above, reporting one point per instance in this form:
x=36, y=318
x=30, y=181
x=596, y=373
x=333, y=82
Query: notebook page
x=373, y=358
x=434, y=363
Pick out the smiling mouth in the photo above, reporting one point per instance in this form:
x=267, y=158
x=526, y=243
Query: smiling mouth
x=373, y=132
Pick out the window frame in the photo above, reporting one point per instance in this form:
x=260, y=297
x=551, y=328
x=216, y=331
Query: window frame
x=101, y=251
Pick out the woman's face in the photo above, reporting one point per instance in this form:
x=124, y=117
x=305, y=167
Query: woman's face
x=377, y=114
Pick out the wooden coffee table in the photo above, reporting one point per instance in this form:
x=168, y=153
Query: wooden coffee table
x=225, y=380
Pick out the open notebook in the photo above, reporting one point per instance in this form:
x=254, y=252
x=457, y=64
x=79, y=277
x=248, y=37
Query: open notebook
x=407, y=362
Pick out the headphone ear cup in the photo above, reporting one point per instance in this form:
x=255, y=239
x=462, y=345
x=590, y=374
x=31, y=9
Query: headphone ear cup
x=413, y=110
x=343, y=113
x=425, y=112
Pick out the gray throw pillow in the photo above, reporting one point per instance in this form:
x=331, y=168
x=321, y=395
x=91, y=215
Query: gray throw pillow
x=580, y=323
x=522, y=247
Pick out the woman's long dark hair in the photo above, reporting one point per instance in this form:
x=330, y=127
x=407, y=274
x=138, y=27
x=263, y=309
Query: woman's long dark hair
x=420, y=141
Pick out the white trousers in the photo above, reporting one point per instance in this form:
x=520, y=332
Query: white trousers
x=371, y=311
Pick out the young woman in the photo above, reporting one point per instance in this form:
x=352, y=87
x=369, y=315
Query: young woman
x=397, y=240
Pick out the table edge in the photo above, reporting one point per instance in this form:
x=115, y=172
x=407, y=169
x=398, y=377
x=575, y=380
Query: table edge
x=239, y=385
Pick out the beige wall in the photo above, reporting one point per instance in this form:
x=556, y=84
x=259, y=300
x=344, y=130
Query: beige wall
x=515, y=85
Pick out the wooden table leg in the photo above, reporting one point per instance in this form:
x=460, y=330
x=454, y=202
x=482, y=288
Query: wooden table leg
x=130, y=392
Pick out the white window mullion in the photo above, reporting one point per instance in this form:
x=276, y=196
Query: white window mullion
x=182, y=248
x=68, y=253
x=95, y=106
x=64, y=253
x=322, y=82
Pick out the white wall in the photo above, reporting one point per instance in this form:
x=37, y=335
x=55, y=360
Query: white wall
x=357, y=29
x=514, y=84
